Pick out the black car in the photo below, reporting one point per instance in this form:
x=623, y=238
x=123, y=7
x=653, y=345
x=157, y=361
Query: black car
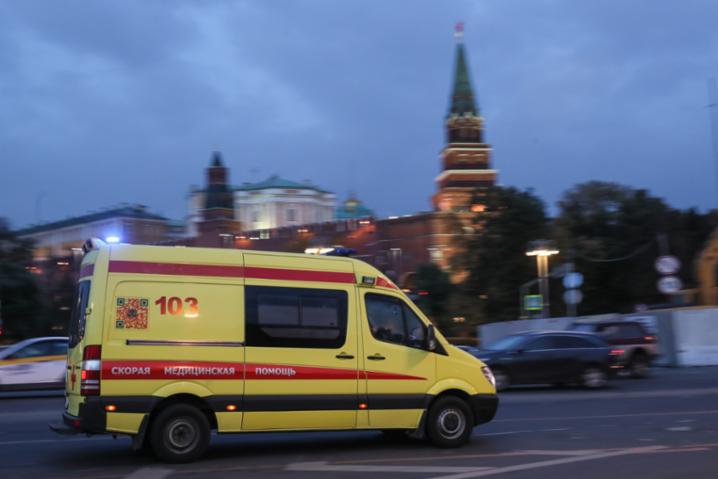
x=549, y=358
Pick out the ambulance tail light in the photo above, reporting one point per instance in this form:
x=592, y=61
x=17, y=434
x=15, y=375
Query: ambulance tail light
x=91, y=367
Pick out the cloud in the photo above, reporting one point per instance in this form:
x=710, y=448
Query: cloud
x=104, y=102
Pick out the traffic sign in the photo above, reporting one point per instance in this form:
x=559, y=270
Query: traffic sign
x=572, y=280
x=572, y=296
x=669, y=284
x=533, y=302
x=667, y=264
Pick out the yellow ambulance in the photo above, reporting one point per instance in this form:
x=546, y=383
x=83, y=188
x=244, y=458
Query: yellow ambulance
x=170, y=343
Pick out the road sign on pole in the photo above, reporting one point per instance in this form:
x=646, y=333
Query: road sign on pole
x=572, y=280
x=572, y=296
x=533, y=302
x=667, y=264
x=670, y=284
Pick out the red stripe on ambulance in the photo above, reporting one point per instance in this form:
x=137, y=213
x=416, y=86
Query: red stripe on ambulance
x=176, y=269
x=171, y=370
x=223, y=370
x=225, y=271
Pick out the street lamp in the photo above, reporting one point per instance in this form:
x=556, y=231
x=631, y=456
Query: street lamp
x=542, y=249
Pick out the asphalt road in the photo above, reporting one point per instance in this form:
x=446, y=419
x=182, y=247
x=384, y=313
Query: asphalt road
x=662, y=427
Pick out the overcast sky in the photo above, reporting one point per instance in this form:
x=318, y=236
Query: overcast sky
x=103, y=102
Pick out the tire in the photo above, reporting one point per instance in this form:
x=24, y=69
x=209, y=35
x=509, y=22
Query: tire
x=503, y=381
x=450, y=422
x=179, y=433
x=593, y=377
x=639, y=366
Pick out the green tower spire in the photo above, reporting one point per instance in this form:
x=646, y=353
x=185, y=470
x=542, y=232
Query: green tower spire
x=463, y=101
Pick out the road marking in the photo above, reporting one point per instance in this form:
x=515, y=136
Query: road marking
x=324, y=466
x=609, y=416
x=560, y=452
x=553, y=462
x=679, y=428
x=150, y=473
x=504, y=433
x=529, y=452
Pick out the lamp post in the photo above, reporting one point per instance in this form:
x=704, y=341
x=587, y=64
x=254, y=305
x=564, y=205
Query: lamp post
x=542, y=250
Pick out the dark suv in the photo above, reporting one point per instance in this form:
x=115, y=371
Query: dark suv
x=636, y=347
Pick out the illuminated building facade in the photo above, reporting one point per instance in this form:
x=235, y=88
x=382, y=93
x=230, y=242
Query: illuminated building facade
x=272, y=203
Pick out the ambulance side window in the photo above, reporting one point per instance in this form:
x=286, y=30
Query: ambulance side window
x=392, y=321
x=77, y=319
x=295, y=317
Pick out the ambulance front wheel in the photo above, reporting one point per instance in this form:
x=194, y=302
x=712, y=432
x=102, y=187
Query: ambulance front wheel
x=180, y=433
x=449, y=422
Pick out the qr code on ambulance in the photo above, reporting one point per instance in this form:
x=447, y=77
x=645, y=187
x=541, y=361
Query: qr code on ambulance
x=132, y=313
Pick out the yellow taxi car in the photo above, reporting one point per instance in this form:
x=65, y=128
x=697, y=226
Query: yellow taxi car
x=168, y=343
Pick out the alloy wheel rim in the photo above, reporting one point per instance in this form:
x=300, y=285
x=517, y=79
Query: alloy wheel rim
x=594, y=378
x=182, y=434
x=452, y=423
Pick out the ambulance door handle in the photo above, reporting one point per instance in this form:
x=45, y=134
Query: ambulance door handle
x=376, y=357
x=344, y=356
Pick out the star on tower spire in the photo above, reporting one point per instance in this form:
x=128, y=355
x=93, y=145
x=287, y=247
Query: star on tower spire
x=459, y=32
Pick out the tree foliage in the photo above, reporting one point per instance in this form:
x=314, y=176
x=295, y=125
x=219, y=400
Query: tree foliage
x=21, y=305
x=495, y=258
x=614, y=233
x=435, y=288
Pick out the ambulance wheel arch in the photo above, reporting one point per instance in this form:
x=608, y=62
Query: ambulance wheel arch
x=179, y=388
x=452, y=386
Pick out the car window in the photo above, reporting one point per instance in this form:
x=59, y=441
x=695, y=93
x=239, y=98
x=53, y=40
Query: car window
x=610, y=331
x=544, y=342
x=295, y=317
x=77, y=319
x=628, y=331
x=415, y=329
x=58, y=348
x=621, y=331
x=588, y=328
x=506, y=343
x=33, y=350
x=573, y=342
x=392, y=321
x=385, y=319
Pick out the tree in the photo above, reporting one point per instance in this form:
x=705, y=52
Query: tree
x=434, y=288
x=495, y=257
x=613, y=234
x=21, y=305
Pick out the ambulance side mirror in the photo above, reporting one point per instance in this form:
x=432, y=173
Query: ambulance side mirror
x=430, y=338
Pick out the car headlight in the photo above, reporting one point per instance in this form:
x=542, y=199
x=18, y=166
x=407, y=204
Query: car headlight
x=489, y=375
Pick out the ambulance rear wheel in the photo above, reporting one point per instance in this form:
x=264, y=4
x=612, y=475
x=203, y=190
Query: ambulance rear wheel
x=449, y=422
x=179, y=433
